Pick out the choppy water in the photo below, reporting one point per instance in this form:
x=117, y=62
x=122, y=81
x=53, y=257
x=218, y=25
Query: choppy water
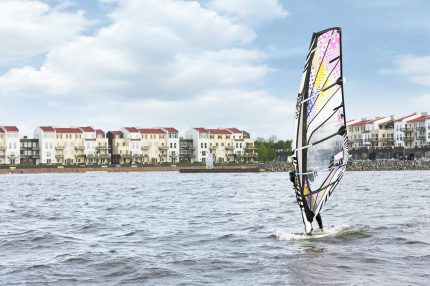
x=222, y=229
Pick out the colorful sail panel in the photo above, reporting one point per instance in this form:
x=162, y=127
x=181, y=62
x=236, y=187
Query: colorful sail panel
x=320, y=141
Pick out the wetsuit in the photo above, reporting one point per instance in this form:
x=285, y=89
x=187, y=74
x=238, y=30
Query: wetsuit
x=309, y=214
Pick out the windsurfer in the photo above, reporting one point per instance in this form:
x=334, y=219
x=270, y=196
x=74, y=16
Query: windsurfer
x=309, y=214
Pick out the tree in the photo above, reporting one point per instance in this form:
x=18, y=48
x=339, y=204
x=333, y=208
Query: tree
x=262, y=152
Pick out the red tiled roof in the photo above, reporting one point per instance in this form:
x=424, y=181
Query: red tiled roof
x=361, y=123
x=151, y=131
x=234, y=130
x=11, y=128
x=171, y=130
x=201, y=129
x=99, y=131
x=421, y=118
x=116, y=133
x=131, y=129
x=219, y=131
x=404, y=117
x=68, y=130
x=428, y=117
x=47, y=128
x=87, y=129
x=1, y=130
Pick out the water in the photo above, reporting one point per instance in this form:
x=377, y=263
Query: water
x=221, y=229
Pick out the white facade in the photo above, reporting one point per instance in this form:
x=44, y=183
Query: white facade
x=200, y=138
x=427, y=125
x=133, y=140
x=89, y=135
x=172, y=144
x=46, y=136
x=12, y=145
x=399, y=129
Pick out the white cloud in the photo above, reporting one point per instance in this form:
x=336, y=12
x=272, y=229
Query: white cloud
x=250, y=10
x=159, y=62
x=30, y=28
x=415, y=69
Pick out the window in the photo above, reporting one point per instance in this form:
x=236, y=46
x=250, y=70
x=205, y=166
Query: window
x=206, y=145
x=201, y=145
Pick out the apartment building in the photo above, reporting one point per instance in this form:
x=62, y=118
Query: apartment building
x=172, y=144
x=415, y=132
x=46, y=137
x=102, y=155
x=118, y=148
x=11, y=145
x=383, y=133
x=2, y=146
x=131, y=135
x=200, y=137
x=427, y=124
x=69, y=146
x=399, y=129
x=29, y=151
x=154, y=145
x=220, y=145
x=250, y=149
x=89, y=143
x=186, y=150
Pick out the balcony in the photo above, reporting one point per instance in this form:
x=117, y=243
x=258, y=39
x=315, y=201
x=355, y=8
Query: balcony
x=145, y=147
x=59, y=156
x=408, y=129
x=59, y=147
x=212, y=147
x=229, y=148
x=250, y=148
x=408, y=139
x=162, y=147
x=102, y=147
x=79, y=148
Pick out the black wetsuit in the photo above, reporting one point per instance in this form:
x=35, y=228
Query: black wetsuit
x=309, y=214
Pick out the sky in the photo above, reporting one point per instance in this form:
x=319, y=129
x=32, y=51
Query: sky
x=211, y=63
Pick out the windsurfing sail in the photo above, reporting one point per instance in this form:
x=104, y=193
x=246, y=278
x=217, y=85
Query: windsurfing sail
x=210, y=162
x=320, y=149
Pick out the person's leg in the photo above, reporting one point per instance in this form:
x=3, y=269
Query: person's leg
x=319, y=221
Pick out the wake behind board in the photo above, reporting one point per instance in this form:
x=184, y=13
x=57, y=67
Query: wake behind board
x=333, y=231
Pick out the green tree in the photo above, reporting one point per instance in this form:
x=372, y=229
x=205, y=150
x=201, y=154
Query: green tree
x=262, y=152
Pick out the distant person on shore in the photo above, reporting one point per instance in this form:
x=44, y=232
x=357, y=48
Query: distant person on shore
x=309, y=214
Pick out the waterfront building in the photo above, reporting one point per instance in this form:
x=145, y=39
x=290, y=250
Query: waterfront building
x=186, y=150
x=415, y=132
x=427, y=124
x=102, y=154
x=29, y=151
x=350, y=129
x=131, y=135
x=47, y=145
x=154, y=145
x=172, y=144
x=69, y=146
x=220, y=145
x=2, y=147
x=250, y=149
x=118, y=148
x=399, y=129
x=383, y=134
x=11, y=145
x=89, y=138
x=200, y=137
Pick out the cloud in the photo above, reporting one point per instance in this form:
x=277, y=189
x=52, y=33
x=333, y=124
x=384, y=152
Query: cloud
x=250, y=10
x=158, y=62
x=415, y=69
x=30, y=28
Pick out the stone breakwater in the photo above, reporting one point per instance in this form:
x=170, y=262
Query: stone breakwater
x=379, y=165
x=367, y=165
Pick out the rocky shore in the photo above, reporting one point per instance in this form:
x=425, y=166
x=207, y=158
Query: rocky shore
x=365, y=165
x=362, y=165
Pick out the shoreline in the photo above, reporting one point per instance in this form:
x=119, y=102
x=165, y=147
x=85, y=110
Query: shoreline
x=378, y=165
